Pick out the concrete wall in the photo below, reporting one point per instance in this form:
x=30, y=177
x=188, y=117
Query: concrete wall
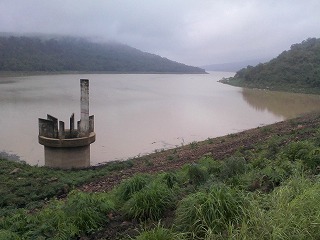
x=67, y=158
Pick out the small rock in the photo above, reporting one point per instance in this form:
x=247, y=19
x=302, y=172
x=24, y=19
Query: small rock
x=16, y=170
x=125, y=223
x=53, y=179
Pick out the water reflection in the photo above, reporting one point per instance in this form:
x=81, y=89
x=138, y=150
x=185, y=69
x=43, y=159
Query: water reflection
x=287, y=105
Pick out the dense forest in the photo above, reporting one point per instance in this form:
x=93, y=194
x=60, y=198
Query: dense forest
x=296, y=70
x=72, y=54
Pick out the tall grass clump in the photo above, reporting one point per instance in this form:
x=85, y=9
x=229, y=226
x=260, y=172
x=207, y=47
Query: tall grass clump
x=298, y=150
x=233, y=166
x=291, y=211
x=304, y=151
x=207, y=213
x=81, y=213
x=212, y=166
x=295, y=211
x=8, y=235
x=197, y=174
x=150, y=202
x=160, y=233
x=130, y=186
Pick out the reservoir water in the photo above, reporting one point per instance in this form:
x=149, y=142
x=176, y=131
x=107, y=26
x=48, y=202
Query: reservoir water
x=136, y=114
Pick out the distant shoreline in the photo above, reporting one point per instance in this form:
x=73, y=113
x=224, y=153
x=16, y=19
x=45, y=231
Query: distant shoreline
x=38, y=73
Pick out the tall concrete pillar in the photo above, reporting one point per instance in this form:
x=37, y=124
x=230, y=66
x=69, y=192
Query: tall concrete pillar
x=69, y=148
x=84, y=103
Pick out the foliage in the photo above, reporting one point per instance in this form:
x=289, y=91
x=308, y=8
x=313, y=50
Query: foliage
x=197, y=174
x=159, y=233
x=72, y=54
x=81, y=213
x=233, y=166
x=204, y=212
x=292, y=213
x=170, y=179
x=150, y=202
x=30, y=187
x=8, y=235
x=304, y=151
x=130, y=186
x=269, y=190
x=296, y=70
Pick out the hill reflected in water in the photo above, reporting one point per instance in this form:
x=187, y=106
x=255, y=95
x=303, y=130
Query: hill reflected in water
x=287, y=105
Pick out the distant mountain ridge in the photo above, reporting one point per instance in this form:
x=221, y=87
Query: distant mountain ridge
x=232, y=66
x=20, y=53
x=295, y=70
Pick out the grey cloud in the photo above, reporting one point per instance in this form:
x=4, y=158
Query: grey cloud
x=189, y=31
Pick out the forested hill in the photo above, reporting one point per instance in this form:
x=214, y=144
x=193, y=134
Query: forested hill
x=296, y=70
x=72, y=54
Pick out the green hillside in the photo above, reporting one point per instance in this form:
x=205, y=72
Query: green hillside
x=72, y=54
x=295, y=70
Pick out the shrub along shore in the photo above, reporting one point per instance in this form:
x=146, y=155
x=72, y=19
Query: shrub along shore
x=262, y=183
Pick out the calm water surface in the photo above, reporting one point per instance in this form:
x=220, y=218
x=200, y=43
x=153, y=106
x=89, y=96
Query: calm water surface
x=138, y=113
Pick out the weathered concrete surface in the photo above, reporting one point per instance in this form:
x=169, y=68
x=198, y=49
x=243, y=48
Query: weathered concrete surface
x=68, y=148
x=67, y=158
x=45, y=128
x=84, y=108
x=67, y=142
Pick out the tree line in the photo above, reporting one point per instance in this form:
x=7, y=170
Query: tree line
x=74, y=54
x=297, y=70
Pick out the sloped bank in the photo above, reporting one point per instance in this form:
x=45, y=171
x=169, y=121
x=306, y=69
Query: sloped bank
x=250, y=166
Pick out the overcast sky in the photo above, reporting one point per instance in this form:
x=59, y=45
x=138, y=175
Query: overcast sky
x=195, y=32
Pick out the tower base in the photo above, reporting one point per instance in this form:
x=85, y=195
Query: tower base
x=67, y=158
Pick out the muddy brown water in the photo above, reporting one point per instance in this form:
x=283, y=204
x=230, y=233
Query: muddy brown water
x=136, y=114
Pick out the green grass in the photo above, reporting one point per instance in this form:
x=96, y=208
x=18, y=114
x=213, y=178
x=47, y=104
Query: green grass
x=130, y=186
x=267, y=191
x=31, y=187
x=209, y=212
x=151, y=202
x=160, y=233
x=81, y=213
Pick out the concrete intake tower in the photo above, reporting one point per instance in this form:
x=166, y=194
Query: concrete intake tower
x=69, y=148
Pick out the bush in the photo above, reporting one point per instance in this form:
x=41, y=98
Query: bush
x=149, y=203
x=130, y=186
x=233, y=166
x=170, y=179
x=197, y=174
x=298, y=150
x=313, y=160
x=209, y=212
x=212, y=166
x=82, y=213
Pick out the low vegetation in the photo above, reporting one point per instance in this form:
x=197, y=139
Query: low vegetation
x=266, y=190
x=28, y=187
